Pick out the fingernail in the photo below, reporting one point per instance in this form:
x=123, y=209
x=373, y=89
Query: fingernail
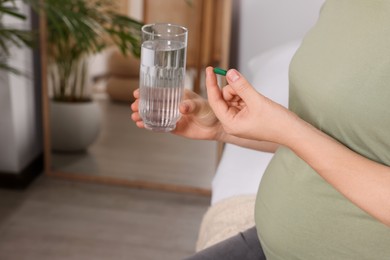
x=208, y=73
x=233, y=75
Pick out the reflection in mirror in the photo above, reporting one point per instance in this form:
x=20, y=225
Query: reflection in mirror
x=120, y=153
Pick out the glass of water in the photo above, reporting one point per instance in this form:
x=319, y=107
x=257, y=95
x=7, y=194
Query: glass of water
x=162, y=75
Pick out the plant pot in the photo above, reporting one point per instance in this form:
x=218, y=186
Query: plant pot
x=74, y=126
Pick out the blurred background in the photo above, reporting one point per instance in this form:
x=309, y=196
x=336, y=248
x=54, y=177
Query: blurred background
x=111, y=190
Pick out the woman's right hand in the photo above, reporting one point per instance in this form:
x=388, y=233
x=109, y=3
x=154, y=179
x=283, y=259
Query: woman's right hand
x=197, y=121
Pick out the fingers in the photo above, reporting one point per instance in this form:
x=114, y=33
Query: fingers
x=240, y=85
x=229, y=94
x=140, y=124
x=135, y=116
x=135, y=105
x=138, y=120
x=214, y=93
x=136, y=93
x=188, y=106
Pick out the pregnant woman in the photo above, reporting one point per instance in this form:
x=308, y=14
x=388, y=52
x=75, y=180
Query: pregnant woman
x=326, y=193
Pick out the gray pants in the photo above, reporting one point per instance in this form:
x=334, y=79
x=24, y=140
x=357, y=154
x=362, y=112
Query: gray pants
x=243, y=246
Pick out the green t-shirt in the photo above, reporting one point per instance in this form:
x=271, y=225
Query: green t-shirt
x=340, y=83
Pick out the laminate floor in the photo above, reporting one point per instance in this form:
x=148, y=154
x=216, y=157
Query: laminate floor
x=125, y=152
x=56, y=219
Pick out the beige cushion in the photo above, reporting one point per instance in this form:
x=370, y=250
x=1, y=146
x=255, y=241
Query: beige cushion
x=121, y=89
x=120, y=65
x=226, y=218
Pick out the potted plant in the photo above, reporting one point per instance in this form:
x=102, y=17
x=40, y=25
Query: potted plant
x=76, y=30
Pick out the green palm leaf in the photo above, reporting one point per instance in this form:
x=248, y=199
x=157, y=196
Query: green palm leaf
x=10, y=36
x=78, y=28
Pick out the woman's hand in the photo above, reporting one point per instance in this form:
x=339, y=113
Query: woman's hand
x=198, y=121
x=245, y=113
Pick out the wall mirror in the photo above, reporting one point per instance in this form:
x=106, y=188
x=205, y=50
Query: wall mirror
x=122, y=154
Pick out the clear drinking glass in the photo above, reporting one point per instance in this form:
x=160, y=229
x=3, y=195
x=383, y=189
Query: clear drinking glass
x=162, y=75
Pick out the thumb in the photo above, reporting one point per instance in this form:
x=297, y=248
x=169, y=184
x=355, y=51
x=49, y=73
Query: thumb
x=187, y=107
x=240, y=85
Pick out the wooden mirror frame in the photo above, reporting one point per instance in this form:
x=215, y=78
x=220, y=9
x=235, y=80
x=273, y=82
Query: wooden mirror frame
x=214, y=39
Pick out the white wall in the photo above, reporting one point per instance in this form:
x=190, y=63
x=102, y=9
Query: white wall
x=8, y=157
x=19, y=130
x=263, y=24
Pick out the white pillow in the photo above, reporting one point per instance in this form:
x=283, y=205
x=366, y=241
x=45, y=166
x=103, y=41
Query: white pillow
x=270, y=71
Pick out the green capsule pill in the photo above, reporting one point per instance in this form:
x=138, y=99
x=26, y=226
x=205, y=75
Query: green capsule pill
x=220, y=71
